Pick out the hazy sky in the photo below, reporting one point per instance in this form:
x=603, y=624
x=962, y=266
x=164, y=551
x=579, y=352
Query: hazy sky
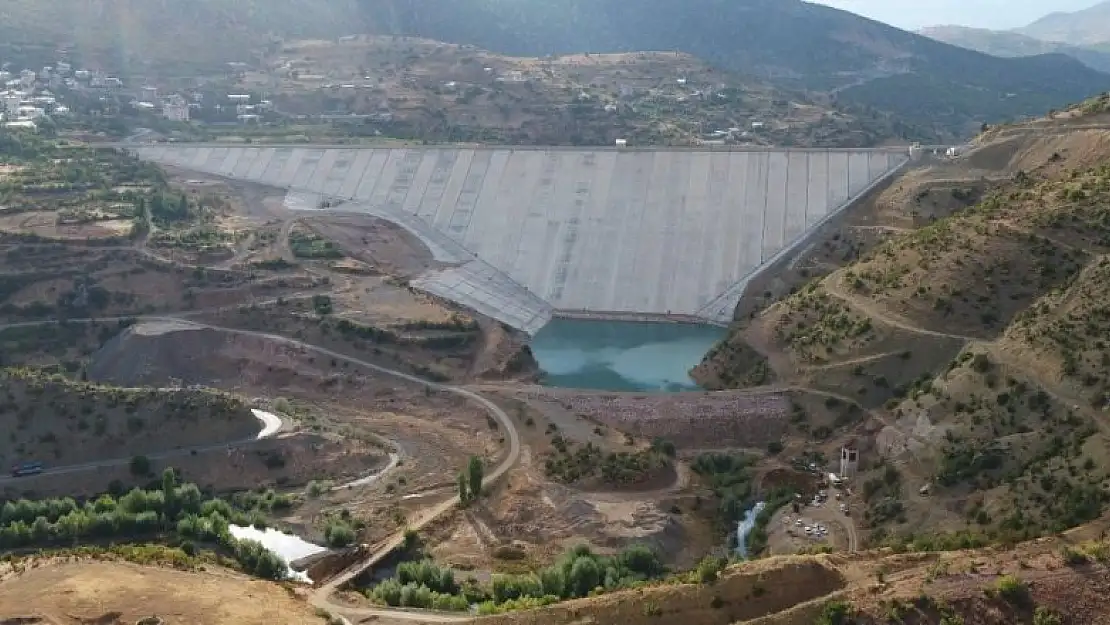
x=997, y=14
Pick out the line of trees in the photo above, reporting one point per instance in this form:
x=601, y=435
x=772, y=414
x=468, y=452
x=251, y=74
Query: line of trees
x=577, y=574
x=172, y=509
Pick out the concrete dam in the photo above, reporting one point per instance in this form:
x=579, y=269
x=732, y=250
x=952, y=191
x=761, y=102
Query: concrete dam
x=609, y=232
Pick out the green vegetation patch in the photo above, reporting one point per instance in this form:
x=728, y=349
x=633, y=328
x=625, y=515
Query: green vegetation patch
x=569, y=463
x=579, y=573
x=174, y=510
x=313, y=246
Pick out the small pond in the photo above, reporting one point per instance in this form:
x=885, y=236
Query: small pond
x=622, y=355
x=287, y=546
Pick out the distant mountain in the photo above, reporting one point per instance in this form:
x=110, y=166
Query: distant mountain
x=796, y=43
x=1012, y=44
x=1080, y=28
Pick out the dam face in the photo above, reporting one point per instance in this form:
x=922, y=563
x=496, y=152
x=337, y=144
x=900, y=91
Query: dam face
x=595, y=231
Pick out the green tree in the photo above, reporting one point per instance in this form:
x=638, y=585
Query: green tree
x=474, y=473
x=585, y=575
x=169, y=492
x=339, y=534
x=322, y=304
x=464, y=489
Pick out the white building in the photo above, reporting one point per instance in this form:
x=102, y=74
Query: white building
x=239, y=98
x=175, y=109
x=22, y=124
x=149, y=94
x=11, y=101
x=31, y=112
x=27, y=78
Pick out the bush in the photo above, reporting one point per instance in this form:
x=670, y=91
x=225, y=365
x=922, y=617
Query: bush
x=510, y=587
x=835, y=613
x=664, y=446
x=1073, y=557
x=1045, y=616
x=339, y=534
x=710, y=569
x=1012, y=589
x=322, y=304
x=426, y=573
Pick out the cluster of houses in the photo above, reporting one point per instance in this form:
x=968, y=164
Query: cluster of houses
x=181, y=108
x=27, y=97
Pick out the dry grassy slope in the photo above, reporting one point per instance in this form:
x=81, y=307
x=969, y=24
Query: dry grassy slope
x=877, y=588
x=980, y=342
x=119, y=593
x=743, y=593
x=1064, y=337
x=61, y=422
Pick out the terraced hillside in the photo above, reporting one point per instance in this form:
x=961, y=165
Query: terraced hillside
x=977, y=343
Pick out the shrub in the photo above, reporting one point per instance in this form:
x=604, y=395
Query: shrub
x=835, y=613
x=709, y=569
x=1073, y=556
x=1045, y=616
x=1012, y=589
x=339, y=534
x=510, y=587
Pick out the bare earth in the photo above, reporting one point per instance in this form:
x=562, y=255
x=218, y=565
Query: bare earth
x=111, y=593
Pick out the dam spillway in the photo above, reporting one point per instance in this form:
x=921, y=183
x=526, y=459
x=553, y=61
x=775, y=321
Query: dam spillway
x=596, y=231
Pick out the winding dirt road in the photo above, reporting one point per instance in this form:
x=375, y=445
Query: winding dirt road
x=321, y=598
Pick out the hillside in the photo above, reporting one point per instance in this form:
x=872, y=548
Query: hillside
x=1011, y=44
x=974, y=338
x=60, y=422
x=444, y=92
x=106, y=590
x=175, y=38
x=797, y=45
x=1087, y=27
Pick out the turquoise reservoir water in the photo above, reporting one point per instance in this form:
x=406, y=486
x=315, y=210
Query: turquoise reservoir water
x=622, y=355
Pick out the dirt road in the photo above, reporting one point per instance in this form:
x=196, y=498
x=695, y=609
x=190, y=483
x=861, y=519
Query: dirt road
x=271, y=425
x=322, y=597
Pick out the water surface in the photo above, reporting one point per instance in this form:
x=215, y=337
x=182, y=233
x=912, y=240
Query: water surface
x=288, y=547
x=622, y=355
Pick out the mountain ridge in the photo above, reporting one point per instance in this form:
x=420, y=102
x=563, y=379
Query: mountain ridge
x=1012, y=44
x=863, y=61
x=1088, y=26
x=798, y=45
